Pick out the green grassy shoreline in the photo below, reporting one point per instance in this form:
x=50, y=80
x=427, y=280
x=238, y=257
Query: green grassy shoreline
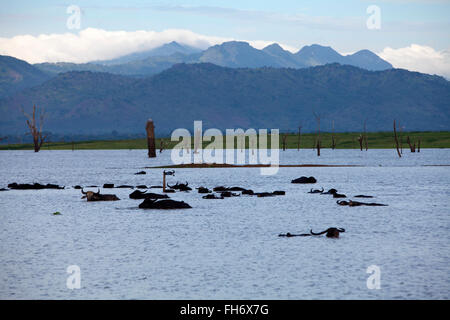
x=376, y=140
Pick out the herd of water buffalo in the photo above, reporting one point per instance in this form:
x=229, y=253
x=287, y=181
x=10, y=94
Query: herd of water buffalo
x=163, y=201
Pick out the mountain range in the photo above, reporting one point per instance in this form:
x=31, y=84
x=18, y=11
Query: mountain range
x=233, y=54
x=227, y=97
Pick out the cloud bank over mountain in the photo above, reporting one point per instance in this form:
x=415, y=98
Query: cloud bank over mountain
x=93, y=44
x=419, y=58
x=96, y=44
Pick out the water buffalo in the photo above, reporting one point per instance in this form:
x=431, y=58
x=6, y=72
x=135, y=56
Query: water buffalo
x=144, y=195
x=164, y=204
x=315, y=190
x=304, y=180
x=351, y=203
x=235, y=189
x=203, y=190
x=96, y=196
x=228, y=194
x=77, y=187
x=34, y=186
x=339, y=195
x=279, y=193
x=264, y=194
x=294, y=235
x=212, y=196
x=180, y=186
x=330, y=232
x=248, y=192
x=108, y=186
x=331, y=191
x=220, y=189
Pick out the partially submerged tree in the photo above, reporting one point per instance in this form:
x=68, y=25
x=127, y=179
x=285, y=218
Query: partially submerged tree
x=150, y=129
x=396, y=141
x=161, y=145
x=366, y=143
x=318, y=141
x=284, y=137
x=299, y=137
x=333, y=137
x=36, y=128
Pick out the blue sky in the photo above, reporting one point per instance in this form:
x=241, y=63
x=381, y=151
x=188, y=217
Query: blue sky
x=340, y=24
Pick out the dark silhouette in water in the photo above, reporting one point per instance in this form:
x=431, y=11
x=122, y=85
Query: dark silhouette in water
x=203, y=190
x=180, y=186
x=141, y=172
x=144, y=195
x=331, y=191
x=339, y=195
x=228, y=194
x=288, y=235
x=351, y=203
x=108, y=186
x=315, y=191
x=96, y=196
x=35, y=186
x=212, y=196
x=164, y=204
x=363, y=196
x=304, y=180
x=331, y=232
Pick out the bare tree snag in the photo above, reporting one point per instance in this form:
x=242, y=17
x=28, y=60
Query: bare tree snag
x=360, y=140
x=299, y=137
x=401, y=139
x=284, y=141
x=366, y=143
x=36, y=129
x=318, y=143
x=418, y=145
x=333, y=138
x=150, y=128
x=396, y=141
x=412, y=147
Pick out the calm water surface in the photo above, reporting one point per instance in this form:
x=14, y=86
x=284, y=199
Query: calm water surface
x=223, y=249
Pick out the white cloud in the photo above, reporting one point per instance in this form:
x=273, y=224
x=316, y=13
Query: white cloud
x=96, y=44
x=419, y=58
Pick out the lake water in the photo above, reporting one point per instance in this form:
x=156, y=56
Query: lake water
x=226, y=249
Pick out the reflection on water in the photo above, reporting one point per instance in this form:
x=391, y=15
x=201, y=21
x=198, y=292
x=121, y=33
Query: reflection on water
x=226, y=248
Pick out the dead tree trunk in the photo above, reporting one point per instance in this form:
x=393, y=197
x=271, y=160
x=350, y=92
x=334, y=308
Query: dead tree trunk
x=161, y=145
x=333, y=138
x=299, y=137
x=318, y=143
x=35, y=129
x=412, y=147
x=418, y=145
x=284, y=141
x=401, y=140
x=150, y=128
x=360, y=140
x=366, y=143
x=396, y=141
